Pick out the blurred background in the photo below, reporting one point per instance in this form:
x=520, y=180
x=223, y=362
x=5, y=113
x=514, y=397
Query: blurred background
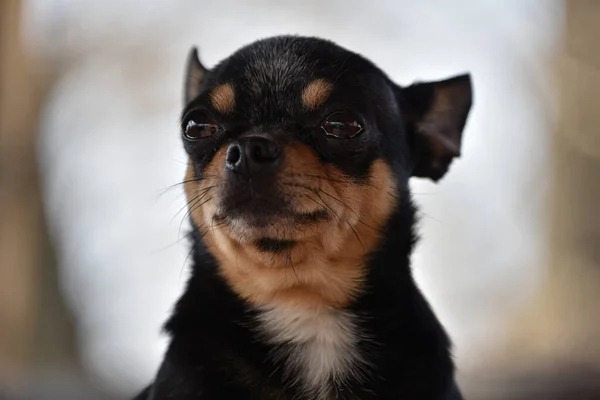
x=91, y=256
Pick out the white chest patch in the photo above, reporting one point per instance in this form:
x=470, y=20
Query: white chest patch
x=318, y=346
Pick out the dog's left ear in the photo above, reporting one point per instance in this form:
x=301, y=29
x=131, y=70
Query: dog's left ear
x=436, y=113
x=194, y=76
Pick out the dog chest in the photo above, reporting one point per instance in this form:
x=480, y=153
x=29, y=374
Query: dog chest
x=317, y=346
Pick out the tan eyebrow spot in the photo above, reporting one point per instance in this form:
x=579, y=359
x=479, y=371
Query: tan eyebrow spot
x=315, y=93
x=222, y=98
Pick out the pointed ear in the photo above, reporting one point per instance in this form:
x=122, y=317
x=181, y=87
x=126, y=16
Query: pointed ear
x=436, y=113
x=194, y=75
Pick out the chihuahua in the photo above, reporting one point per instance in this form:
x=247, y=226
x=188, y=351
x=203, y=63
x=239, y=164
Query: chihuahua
x=300, y=154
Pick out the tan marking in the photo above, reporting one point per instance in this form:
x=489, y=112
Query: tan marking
x=315, y=93
x=326, y=267
x=222, y=98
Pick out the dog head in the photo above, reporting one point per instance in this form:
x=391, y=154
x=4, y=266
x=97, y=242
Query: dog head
x=299, y=151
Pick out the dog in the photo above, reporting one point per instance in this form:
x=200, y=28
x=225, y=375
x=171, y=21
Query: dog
x=300, y=155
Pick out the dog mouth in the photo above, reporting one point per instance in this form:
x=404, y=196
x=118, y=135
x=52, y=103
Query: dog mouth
x=272, y=221
x=270, y=245
x=263, y=216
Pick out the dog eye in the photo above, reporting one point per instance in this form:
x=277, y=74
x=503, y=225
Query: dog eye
x=200, y=128
x=341, y=125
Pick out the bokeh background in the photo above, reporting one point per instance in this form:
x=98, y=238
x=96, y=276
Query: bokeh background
x=91, y=256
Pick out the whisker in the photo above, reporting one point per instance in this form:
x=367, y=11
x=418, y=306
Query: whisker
x=347, y=223
x=291, y=263
x=174, y=186
x=237, y=259
x=173, y=244
x=180, y=161
x=326, y=204
x=200, y=195
x=340, y=71
x=429, y=216
x=192, y=209
x=328, y=179
x=357, y=237
x=318, y=192
x=192, y=250
x=351, y=210
x=203, y=232
x=314, y=191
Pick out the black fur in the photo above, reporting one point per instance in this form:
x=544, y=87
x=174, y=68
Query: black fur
x=273, y=245
x=215, y=352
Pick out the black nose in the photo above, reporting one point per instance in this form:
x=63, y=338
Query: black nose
x=251, y=155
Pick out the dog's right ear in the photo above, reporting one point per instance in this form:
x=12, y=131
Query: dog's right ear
x=194, y=75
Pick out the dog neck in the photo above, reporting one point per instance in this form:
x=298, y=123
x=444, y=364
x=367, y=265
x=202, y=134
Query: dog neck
x=318, y=346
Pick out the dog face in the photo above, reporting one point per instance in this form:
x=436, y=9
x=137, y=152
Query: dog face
x=299, y=152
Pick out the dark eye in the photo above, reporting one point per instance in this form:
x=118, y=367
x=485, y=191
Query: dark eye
x=200, y=127
x=341, y=125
